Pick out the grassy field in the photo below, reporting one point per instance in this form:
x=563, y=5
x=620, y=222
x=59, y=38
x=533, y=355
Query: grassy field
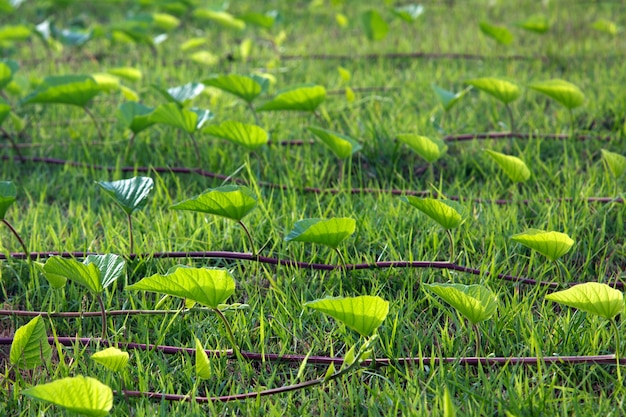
x=60, y=208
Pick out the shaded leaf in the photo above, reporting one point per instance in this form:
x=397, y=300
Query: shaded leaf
x=76, y=90
x=447, y=98
x=341, y=145
x=364, y=314
x=130, y=194
x=328, y=232
x=136, y=116
x=172, y=115
x=427, y=148
x=5, y=110
x=85, y=275
x=30, y=345
x=112, y=358
x=503, y=90
x=230, y=201
x=111, y=267
x=264, y=20
x=499, y=33
x=8, y=68
x=250, y=136
x=374, y=25
x=592, y=297
x=409, y=13
x=181, y=94
x=8, y=194
x=567, y=94
x=475, y=302
x=203, y=367
x=306, y=98
x=553, y=245
x=442, y=212
x=615, y=162
x=512, y=166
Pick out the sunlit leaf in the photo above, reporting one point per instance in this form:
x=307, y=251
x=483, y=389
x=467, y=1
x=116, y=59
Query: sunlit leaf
x=512, y=166
x=203, y=366
x=75, y=90
x=230, y=201
x=127, y=73
x=131, y=194
x=503, y=90
x=341, y=145
x=606, y=26
x=341, y=20
x=446, y=213
x=193, y=43
x=364, y=314
x=567, y=94
x=250, y=136
x=537, y=23
x=430, y=149
x=328, y=232
x=87, y=275
x=265, y=21
x=209, y=287
x=205, y=58
x=448, y=405
x=615, y=162
x=220, y=17
x=136, y=116
x=447, y=98
x=409, y=13
x=14, y=33
x=244, y=87
x=165, y=21
x=344, y=74
x=112, y=358
x=592, y=297
x=499, y=33
x=374, y=25
x=306, y=98
x=83, y=395
x=475, y=302
x=8, y=194
x=111, y=267
x=8, y=68
x=553, y=245
x=129, y=93
x=107, y=82
x=181, y=94
x=30, y=347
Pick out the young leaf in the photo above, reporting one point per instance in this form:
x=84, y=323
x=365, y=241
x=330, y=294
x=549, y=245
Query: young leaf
x=443, y=212
x=475, y=302
x=136, y=116
x=30, y=345
x=447, y=98
x=223, y=18
x=592, y=297
x=112, y=358
x=306, y=98
x=512, y=166
x=244, y=87
x=567, y=94
x=111, y=267
x=181, y=94
x=427, y=148
x=230, y=201
x=128, y=73
x=250, y=136
x=165, y=21
x=130, y=194
x=374, y=25
x=14, y=33
x=209, y=287
x=83, y=395
x=8, y=193
x=85, y=275
x=203, y=367
x=76, y=90
x=408, y=13
x=341, y=145
x=172, y=115
x=553, y=245
x=499, y=33
x=107, y=82
x=328, y=232
x=364, y=314
x=8, y=68
x=537, y=23
x=615, y=162
x=503, y=90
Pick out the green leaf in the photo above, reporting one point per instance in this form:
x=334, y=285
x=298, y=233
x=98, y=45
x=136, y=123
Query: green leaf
x=181, y=94
x=298, y=99
x=203, y=367
x=230, y=201
x=71, y=37
x=8, y=194
x=85, y=275
x=209, y=287
x=172, y=115
x=242, y=86
x=503, y=90
x=364, y=314
x=409, y=13
x=136, y=116
x=499, y=33
x=250, y=136
x=447, y=98
x=444, y=212
x=374, y=25
x=592, y=297
x=130, y=194
x=112, y=358
x=537, y=23
x=553, y=245
x=111, y=267
x=567, y=94
x=203, y=116
x=5, y=110
x=341, y=145
x=475, y=302
x=8, y=68
x=83, y=395
x=205, y=58
x=220, y=17
x=615, y=162
x=265, y=21
x=328, y=232
x=128, y=73
x=75, y=90
x=606, y=26
x=14, y=33
x=448, y=405
x=107, y=82
x=512, y=166
x=30, y=345
x=427, y=148
x=165, y=21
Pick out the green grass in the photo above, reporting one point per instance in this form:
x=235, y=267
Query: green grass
x=61, y=208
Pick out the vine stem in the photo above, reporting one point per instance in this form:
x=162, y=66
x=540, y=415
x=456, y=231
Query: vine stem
x=511, y=118
x=229, y=331
x=245, y=229
x=13, y=143
x=19, y=238
x=195, y=147
x=254, y=114
x=452, y=256
x=617, y=354
x=130, y=234
x=95, y=122
x=103, y=314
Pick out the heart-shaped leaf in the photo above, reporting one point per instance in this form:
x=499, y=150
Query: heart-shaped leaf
x=328, y=232
x=512, y=166
x=250, y=136
x=553, y=245
x=172, y=114
x=446, y=213
x=503, y=90
x=131, y=194
x=8, y=68
x=498, y=33
x=475, y=302
x=30, y=347
x=341, y=145
x=567, y=94
x=222, y=18
x=427, y=148
x=306, y=98
x=364, y=314
x=592, y=297
x=76, y=90
x=447, y=98
x=209, y=287
x=85, y=275
x=128, y=73
x=242, y=86
x=374, y=25
x=83, y=395
x=181, y=94
x=112, y=358
x=230, y=201
x=111, y=267
x=408, y=13
x=615, y=162
x=70, y=37
x=536, y=23
x=203, y=366
x=8, y=194
x=136, y=116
